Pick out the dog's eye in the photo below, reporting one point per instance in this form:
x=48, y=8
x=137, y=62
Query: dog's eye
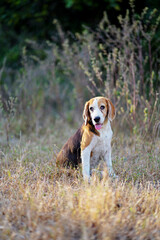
x=91, y=108
x=102, y=107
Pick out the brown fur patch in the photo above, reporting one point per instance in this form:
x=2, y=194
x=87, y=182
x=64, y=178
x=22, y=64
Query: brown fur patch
x=111, y=109
x=69, y=156
x=88, y=132
x=86, y=113
x=102, y=101
x=87, y=137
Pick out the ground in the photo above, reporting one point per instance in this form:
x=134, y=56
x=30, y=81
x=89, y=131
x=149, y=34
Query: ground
x=38, y=201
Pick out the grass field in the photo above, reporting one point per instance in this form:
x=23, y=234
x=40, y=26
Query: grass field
x=37, y=201
x=41, y=104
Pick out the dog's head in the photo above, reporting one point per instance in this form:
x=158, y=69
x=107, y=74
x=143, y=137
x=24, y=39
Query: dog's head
x=97, y=111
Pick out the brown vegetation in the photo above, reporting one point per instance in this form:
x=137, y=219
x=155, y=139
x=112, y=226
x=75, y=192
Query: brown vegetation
x=39, y=202
x=42, y=109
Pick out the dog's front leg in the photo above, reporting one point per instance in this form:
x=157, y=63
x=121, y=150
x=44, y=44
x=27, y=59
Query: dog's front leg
x=108, y=160
x=85, y=156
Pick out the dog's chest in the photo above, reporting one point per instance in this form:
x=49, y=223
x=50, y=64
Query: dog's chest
x=102, y=144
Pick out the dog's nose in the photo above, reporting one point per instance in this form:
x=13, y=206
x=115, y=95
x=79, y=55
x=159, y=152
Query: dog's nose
x=96, y=119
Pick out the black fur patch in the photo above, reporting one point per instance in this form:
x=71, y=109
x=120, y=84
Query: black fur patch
x=69, y=156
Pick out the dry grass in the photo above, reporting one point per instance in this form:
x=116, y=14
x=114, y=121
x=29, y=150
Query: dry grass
x=37, y=202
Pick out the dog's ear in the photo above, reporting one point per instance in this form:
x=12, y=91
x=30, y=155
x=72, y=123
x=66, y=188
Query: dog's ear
x=111, y=110
x=86, y=114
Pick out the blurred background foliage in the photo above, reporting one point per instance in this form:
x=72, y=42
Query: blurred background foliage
x=54, y=55
x=20, y=20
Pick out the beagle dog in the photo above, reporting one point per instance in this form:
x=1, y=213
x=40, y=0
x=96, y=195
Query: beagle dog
x=92, y=141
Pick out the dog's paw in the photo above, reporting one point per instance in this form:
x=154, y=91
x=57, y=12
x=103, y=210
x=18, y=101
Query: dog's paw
x=112, y=174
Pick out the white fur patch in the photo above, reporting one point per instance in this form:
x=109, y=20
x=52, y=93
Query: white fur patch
x=100, y=147
x=85, y=156
x=96, y=112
